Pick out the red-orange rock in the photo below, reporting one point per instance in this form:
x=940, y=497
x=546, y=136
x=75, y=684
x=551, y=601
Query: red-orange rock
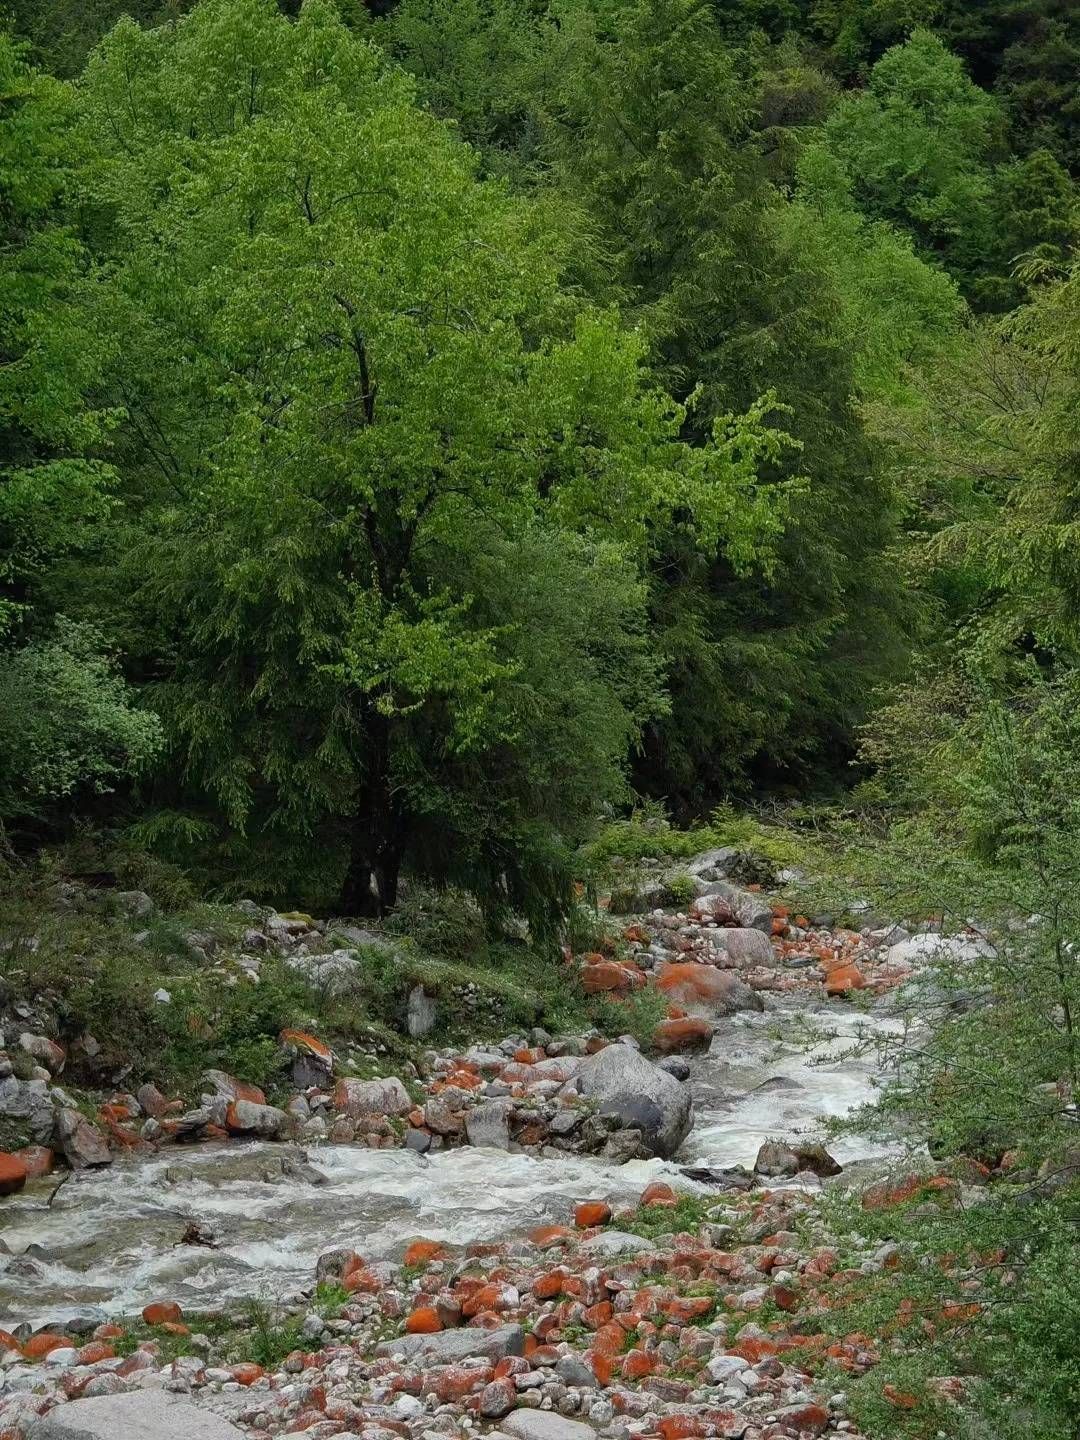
x=547, y=1287
x=39, y=1345
x=591, y=1212
x=422, y=1252
x=423, y=1321
x=616, y=975
x=12, y=1173
x=246, y=1374
x=95, y=1351
x=8, y=1341
x=637, y=1365
x=658, y=1193
x=303, y=1041
x=674, y=1037
x=901, y=1399
x=844, y=979
x=162, y=1312
x=545, y=1236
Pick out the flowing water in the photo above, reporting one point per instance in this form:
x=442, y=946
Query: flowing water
x=108, y=1242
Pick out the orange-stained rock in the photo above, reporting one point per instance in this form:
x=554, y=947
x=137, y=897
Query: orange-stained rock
x=682, y=1427
x=591, y=1212
x=454, y=1382
x=685, y=1308
x=361, y=1281
x=8, y=1341
x=658, y=1193
x=695, y=985
x=602, y=1364
x=597, y=1315
x=175, y=1327
x=844, y=979
x=162, y=1312
x=675, y=1037
x=637, y=1365
x=95, y=1351
x=38, y=1159
x=109, y=1331
x=12, y=1173
x=547, y=1287
x=544, y=1236
x=303, y=1041
x=422, y=1252
x=423, y=1321
x=886, y=1193
x=616, y=975
x=246, y=1374
x=44, y=1344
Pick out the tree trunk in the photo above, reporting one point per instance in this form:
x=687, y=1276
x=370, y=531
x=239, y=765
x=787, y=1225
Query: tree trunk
x=371, y=879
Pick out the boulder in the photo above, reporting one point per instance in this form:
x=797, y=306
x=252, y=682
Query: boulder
x=448, y=1347
x=245, y=1117
x=386, y=1097
x=817, y=1160
x=311, y=1061
x=28, y=1100
x=135, y=1415
x=12, y=1173
x=620, y=1080
x=489, y=1124
x=81, y=1142
x=45, y=1051
x=545, y=1425
x=743, y=948
x=711, y=864
x=776, y=1158
x=610, y=1243
x=421, y=1013
x=705, y=990
x=335, y=974
x=231, y=1088
x=725, y=900
x=676, y=1037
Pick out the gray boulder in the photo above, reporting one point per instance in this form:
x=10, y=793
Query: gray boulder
x=776, y=1158
x=386, y=1097
x=545, y=1425
x=723, y=898
x=446, y=1347
x=489, y=1124
x=137, y=1415
x=28, y=1100
x=421, y=1012
x=81, y=1142
x=743, y=948
x=620, y=1079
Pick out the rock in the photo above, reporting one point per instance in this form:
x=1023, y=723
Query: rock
x=617, y=976
x=386, y=1097
x=232, y=1088
x=449, y=1346
x=152, y=1102
x=620, y=1076
x=843, y=979
x=312, y=1061
x=743, y=948
x=574, y=1371
x=489, y=1124
x=545, y=1425
x=421, y=1013
x=672, y=1037
x=645, y=895
x=705, y=989
x=45, y=1051
x=417, y=1140
x=711, y=864
x=776, y=1158
x=135, y=1415
x=81, y=1142
x=245, y=1117
x=28, y=1100
x=724, y=899
x=817, y=1159
x=134, y=903
x=12, y=1173
x=674, y=1065
x=610, y=1243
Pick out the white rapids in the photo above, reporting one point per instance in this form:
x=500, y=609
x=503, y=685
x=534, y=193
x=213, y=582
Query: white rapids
x=108, y=1243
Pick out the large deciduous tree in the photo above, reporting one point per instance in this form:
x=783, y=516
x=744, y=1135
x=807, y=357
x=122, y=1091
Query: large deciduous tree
x=388, y=485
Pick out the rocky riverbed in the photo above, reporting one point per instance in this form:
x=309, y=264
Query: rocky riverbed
x=492, y=1228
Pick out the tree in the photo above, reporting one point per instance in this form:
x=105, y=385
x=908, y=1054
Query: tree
x=377, y=453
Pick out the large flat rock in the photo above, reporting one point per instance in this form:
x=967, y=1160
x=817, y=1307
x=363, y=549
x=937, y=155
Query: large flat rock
x=545, y=1425
x=448, y=1346
x=140, y=1415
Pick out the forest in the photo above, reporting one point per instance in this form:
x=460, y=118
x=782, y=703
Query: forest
x=434, y=430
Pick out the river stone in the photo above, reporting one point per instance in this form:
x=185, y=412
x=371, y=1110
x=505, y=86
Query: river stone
x=489, y=1124
x=387, y=1097
x=137, y=1415
x=545, y=1425
x=743, y=947
x=446, y=1347
x=81, y=1142
x=619, y=1077
x=616, y=1242
x=711, y=864
x=748, y=909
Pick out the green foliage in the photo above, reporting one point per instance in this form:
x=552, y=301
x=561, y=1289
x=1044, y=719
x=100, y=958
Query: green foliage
x=68, y=724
